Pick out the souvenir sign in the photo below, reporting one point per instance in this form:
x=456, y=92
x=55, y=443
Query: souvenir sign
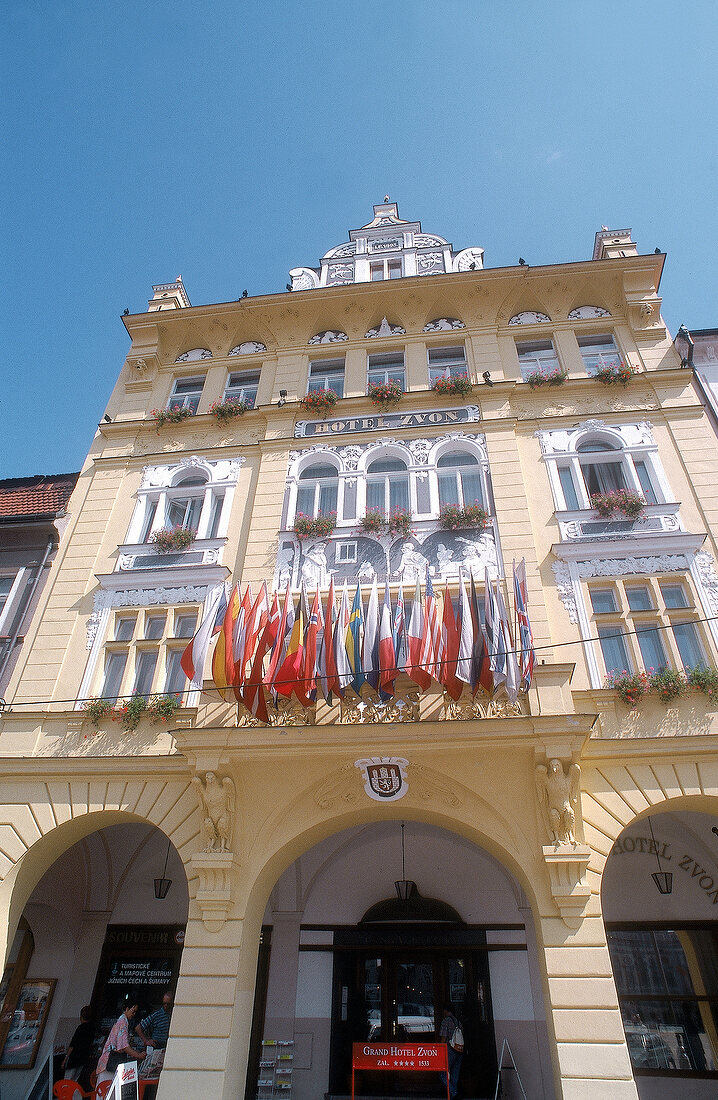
x=384, y=777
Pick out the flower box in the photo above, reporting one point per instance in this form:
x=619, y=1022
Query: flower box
x=612, y=376
x=453, y=518
x=455, y=384
x=385, y=394
x=624, y=501
x=373, y=522
x=174, y=415
x=319, y=401
x=667, y=683
x=538, y=378
x=307, y=527
x=161, y=708
x=97, y=709
x=223, y=411
x=169, y=540
x=399, y=523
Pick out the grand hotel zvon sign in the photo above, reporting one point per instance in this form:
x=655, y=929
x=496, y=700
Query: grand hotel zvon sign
x=424, y=418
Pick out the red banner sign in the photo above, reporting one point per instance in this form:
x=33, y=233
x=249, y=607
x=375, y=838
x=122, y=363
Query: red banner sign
x=411, y=1057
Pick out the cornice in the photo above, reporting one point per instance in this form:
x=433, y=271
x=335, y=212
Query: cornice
x=617, y=749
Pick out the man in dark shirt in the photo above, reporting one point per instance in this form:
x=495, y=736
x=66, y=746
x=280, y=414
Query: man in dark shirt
x=79, y=1051
x=154, y=1029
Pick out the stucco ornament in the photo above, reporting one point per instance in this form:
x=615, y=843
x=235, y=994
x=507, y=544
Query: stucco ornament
x=329, y=336
x=558, y=793
x=218, y=806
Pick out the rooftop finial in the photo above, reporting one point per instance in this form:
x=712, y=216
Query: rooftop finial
x=386, y=198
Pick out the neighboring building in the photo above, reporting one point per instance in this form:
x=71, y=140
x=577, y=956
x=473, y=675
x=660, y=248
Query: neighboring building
x=33, y=515
x=537, y=832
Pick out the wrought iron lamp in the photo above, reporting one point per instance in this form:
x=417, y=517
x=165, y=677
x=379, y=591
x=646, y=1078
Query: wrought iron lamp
x=405, y=887
x=663, y=879
x=163, y=884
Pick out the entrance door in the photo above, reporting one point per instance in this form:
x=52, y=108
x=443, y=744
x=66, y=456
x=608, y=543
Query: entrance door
x=395, y=994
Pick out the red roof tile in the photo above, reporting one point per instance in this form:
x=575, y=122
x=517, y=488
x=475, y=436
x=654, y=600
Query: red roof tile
x=32, y=496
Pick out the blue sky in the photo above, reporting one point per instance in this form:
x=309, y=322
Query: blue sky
x=231, y=141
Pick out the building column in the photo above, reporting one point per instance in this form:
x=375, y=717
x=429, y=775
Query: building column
x=591, y=1054
x=208, y=1047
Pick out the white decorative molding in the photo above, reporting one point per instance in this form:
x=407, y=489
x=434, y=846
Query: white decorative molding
x=304, y=278
x=250, y=347
x=443, y=324
x=566, y=591
x=469, y=259
x=219, y=471
x=430, y=263
x=584, y=312
x=566, y=865
x=529, y=317
x=329, y=336
x=385, y=329
x=214, y=896
x=194, y=354
x=561, y=441
x=652, y=565
x=108, y=599
x=705, y=568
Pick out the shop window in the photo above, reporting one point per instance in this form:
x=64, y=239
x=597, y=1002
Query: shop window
x=144, y=651
x=186, y=393
x=326, y=374
x=667, y=983
x=388, y=367
x=537, y=355
x=318, y=490
x=242, y=386
x=598, y=352
x=447, y=363
x=653, y=624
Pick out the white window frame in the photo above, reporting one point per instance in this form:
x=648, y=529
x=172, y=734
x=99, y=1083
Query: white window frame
x=322, y=372
x=385, y=267
x=610, y=357
x=160, y=484
x=317, y=484
x=386, y=368
x=632, y=443
x=191, y=399
x=447, y=366
x=535, y=355
x=244, y=389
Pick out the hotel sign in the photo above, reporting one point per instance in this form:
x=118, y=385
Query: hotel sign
x=387, y=421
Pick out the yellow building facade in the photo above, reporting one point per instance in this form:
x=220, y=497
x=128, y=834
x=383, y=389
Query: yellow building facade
x=530, y=829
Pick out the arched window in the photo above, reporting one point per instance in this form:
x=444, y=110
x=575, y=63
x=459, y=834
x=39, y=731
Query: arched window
x=318, y=490
x=184, y=502
x=459, y=477
x=387, y=484
x=601, y=466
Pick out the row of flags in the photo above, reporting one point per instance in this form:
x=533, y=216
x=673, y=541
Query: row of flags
x=307, y=647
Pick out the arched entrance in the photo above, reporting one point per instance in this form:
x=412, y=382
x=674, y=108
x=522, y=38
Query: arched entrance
x=346, y=959
x=93, y=927
x=660, y=906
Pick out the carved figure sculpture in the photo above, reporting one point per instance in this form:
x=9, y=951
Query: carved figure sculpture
x=412, y=563
x=314, y=566
x=478, y=552
x=445, y=557
x=558, y=793
x=218, y=805
x=366, y=571
x=285, y=562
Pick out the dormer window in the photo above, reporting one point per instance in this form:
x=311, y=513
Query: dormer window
x=385, y=269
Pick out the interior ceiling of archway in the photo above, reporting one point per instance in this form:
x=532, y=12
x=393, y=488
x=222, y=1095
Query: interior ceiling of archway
x=104, y=868
x=686, y=847
x=337, y=880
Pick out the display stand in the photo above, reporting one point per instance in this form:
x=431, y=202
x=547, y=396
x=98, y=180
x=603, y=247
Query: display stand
x=125, y=1083
x=275, y=1069
x=500, y=1090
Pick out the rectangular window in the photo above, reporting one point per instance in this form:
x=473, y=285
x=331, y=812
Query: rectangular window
x=653, y=654
x=346, y=552
x=613, y=648
x=124, y=627
x=114, y=671
x=384, y=269
x=215, y=514
x=537, y=355
x=186, y=393
x=6, y=584
x=644, y=481
x=175, y=679
x=242, y=386
x=568, y=486
x=447, y=363
x=154, y=627
x=639, y=598
x=327, y=374
x=598, y=352
x=674, y=596
x=603, y=600
x=185, y=625
x=688, y=645
x=388, y=367
x=146, y=663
